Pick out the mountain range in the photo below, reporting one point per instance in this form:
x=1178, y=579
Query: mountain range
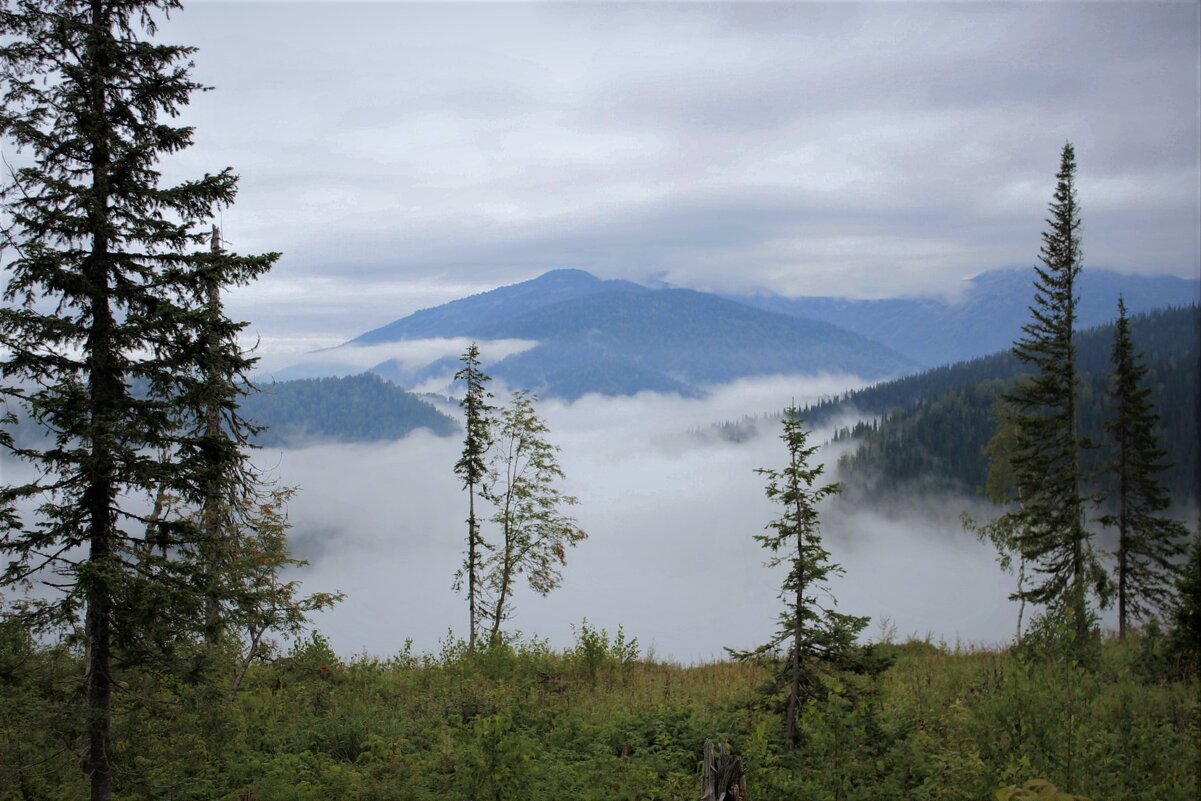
x=986, y=317
x=588, y=335
x=619, y=338
x=613, y=337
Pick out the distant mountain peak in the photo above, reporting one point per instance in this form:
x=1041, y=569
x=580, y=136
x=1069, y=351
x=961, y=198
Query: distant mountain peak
x=566, y=274
x=466, y=316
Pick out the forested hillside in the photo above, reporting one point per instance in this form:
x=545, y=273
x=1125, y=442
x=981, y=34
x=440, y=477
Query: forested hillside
x=360, y=408
x=929, y=431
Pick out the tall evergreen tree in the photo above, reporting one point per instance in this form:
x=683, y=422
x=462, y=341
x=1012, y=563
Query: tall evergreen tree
x=817, y=636
x=534, y=530
x=472, y=468
x=1049, y=526
x=1149, y=543
x=110, y=342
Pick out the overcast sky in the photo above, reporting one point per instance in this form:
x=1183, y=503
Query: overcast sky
x=401, y=155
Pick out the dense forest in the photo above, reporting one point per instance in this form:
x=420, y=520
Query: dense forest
x=359, y=408
x=929, y=431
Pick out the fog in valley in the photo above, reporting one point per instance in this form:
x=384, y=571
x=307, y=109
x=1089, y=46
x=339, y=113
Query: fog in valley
x=670, y=507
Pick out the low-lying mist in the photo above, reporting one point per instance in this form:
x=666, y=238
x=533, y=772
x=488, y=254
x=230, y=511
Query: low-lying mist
x=670, y=509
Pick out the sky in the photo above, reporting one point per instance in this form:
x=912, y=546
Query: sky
x=401, y=155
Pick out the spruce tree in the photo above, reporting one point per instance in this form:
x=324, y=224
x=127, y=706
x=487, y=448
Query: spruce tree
x=109, y=340
x=818, y=637
x=472, y=468
x=534, y=530
x=1149, y=543
x=1049, y=526
x=1185, y=612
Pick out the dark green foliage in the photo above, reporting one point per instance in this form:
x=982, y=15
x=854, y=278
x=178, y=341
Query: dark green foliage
x=1185, y=612
x=110, y=288
x=1049, y=521
x=518, y=717
x=936, y=444
x=1149, y=543
x=472, y=468
x=935, y=425
x=818, y=637
x=361, y=408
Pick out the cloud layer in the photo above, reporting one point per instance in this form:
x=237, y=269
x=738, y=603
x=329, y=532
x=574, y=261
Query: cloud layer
x=671, y=511
x=405, y=154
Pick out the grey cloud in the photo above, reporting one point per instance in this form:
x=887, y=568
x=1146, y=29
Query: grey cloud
x=868, y=148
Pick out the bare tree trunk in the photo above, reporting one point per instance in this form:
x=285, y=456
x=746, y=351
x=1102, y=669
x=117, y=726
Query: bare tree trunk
x=722, y=775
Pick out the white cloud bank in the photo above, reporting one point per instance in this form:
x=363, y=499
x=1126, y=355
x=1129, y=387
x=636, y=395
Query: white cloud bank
x=670, y=516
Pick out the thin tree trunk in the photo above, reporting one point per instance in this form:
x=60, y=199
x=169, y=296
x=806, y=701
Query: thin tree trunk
x=507, y=560
x=1078, y=536
x=256, y=637
x=506, y=578
x=1021, y=596
x=1123, y=544
x=798, y=630
x=472, y=537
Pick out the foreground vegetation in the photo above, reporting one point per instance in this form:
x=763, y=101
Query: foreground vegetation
x=918, y=721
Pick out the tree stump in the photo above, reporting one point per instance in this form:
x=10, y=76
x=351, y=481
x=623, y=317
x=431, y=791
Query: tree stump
x=722, y=776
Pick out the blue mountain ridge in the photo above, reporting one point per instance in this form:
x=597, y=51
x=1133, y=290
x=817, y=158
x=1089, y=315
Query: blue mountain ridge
x=678, y=340
x=465, y=316
x=987, y=318
x=618, y=338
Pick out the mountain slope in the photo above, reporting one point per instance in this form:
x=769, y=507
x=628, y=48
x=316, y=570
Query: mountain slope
x=674, y=340
x=360, y=408
x=989, y=316
x=618, y=338
x=933, y=426
x=466, y=316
